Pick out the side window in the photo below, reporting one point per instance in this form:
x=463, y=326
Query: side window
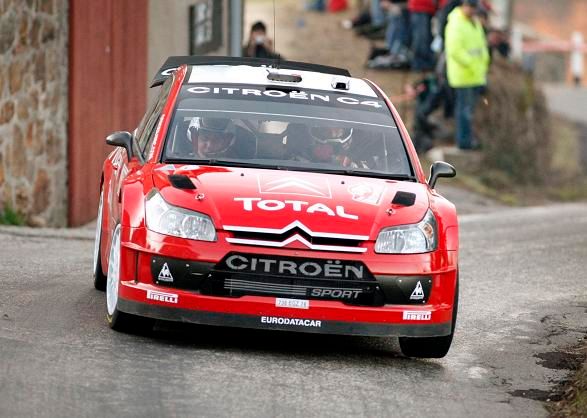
x=146, y=135
x=141, y=128
x=151, y=138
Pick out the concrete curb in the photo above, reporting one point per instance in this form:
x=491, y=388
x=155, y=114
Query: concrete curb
x=84, y=233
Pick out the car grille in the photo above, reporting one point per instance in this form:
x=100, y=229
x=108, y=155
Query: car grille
x=288, y=277
x=224, y=283
x=296, y=233
x=260, y=287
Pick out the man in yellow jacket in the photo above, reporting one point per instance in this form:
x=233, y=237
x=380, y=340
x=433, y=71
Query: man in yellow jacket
x=467, y=62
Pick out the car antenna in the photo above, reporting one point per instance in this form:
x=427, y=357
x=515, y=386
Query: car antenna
x=277, y=56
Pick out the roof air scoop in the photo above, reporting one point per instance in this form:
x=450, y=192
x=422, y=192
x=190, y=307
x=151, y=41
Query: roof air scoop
x=286, y=78
x=341, y=83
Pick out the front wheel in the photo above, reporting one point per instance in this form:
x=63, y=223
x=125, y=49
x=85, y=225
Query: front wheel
x=431, y=347
x=99, y=276
x=120, y=321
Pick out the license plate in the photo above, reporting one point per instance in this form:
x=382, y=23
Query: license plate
x=292, y=303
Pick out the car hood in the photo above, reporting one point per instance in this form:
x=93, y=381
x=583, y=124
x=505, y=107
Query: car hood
x=276, y=199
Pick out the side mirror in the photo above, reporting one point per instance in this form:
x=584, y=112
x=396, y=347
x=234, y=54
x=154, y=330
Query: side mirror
x=440, y=169
x=121, y=139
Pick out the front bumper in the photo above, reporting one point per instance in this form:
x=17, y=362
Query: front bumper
x=139, y=294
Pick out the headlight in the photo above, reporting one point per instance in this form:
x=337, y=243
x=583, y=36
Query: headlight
x=170, y=220
x=409, y=239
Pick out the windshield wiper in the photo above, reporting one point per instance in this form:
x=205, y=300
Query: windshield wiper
x=363, y=173
x=247, y=164
x=225, y=163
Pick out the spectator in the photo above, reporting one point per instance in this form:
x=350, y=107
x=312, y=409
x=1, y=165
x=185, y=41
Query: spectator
x=467, y=59
x=421, y=13
x=363, y=18
x=374, y=27
x=377, y=14
x=443, y=13
x=316, y=5
x=496, y=39
x=431, y=92
x=335, y=6
x=397, y=37
x=259, y=45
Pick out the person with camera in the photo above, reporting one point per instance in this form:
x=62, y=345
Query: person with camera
x=259, y=45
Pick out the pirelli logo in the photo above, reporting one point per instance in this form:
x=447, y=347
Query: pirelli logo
x=417, y=315
x=162, y=296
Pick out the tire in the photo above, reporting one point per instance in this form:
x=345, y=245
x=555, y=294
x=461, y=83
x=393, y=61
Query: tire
x=431, y=347
x=120, y=321
x=99, y=276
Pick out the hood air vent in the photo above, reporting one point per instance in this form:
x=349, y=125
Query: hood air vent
x=404, y=199
x=181, y=181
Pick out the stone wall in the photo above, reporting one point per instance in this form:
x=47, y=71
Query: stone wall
x=33, y=109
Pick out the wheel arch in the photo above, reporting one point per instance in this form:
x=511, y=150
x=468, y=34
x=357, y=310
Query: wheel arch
x=132, y=200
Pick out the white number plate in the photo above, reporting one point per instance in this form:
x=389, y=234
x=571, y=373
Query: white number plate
x=292, y=303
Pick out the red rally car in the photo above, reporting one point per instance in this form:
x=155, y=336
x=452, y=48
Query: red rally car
x=281, y=196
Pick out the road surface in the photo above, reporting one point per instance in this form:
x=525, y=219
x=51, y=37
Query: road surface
x=523, y=298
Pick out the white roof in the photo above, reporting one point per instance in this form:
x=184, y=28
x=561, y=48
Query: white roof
x=245, y=74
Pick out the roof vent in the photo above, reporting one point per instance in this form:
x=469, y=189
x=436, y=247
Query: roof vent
x=341, y=83
x=286, y=78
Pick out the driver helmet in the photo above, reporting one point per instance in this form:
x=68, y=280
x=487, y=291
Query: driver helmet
x=212, y=137
x=330, y=141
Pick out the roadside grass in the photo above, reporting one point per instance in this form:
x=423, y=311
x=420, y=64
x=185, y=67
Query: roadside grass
x=520, y=195
x=566, y=179
x=476, y=184
x=8, y=216
x=570, y=177
x=574, y=402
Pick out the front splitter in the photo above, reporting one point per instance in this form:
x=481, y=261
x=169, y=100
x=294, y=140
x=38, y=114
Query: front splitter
x=283, y=323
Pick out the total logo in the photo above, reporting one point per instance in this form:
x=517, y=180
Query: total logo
x=295, y=205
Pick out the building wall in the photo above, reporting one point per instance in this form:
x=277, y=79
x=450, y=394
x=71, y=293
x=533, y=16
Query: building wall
x=108, y=60
x=169, y=32
x=34, y=109
x=71, y=72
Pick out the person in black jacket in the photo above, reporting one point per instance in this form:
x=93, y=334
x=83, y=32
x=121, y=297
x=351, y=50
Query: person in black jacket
x=259, y=45
x=442, y=15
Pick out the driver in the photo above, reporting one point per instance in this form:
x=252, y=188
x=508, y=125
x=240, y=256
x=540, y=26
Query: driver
x=213, y=137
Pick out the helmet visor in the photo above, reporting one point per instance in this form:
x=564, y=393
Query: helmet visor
x=215, y=124
x=328, y=134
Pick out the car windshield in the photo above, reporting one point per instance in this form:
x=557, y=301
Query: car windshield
x=286, y=129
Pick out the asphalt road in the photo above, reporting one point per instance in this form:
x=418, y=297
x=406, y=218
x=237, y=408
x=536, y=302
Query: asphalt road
x=524, y=298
